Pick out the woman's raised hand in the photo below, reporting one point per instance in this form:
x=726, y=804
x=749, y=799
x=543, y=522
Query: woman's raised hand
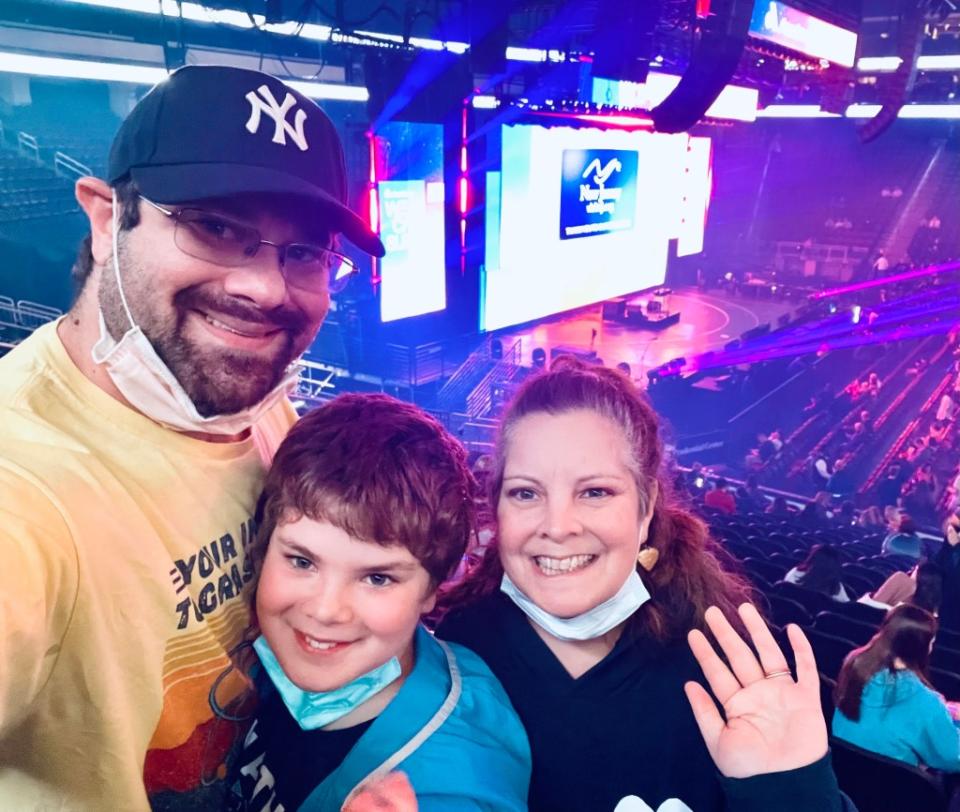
x=771, y=722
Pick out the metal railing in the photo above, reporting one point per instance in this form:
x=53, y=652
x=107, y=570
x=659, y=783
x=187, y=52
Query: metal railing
x=66, y=166
x=28, y=145
x=504, y=372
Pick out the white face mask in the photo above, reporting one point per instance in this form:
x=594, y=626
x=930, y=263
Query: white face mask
x=591, y=624
x=152, y=389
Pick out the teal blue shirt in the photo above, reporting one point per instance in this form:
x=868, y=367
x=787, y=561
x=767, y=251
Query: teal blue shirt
x=902, y=718
x=450, y=729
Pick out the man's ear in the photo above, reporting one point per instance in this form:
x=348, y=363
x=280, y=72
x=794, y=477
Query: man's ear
x=95, y=198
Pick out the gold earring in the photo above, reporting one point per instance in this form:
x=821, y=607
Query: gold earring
x=648, y=557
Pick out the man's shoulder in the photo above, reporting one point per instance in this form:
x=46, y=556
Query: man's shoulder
x=25, y=367
x=35, y=405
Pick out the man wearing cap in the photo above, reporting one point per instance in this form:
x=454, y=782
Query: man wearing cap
x=134, y=434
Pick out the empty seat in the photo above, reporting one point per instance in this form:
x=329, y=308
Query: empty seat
x=856, y=586
x=876, y=783
x=829, y=650
x=862, y=571
x=863, y=612
x=784, y=610
x=813, y=602
x=765, y=569
x=946, y=659
x=946, y=682
x=841, y=626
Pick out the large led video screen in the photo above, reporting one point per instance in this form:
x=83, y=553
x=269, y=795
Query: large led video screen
x=581, y=215
x=409, y=165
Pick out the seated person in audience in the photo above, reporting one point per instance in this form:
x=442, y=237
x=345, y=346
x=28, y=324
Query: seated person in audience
x=884, y=699
x=720, y=498
x=696, y=480
x=888, y=491
x=947, y=407
x=841, y=482
x=938, y=431
x=816, y=513
x=779, y=507
x=750, y=498
x=591, y=606
x=922, y=586
x=820, y=471
x=929, y=592
x=905, y=541
x=366, y=510
x=776, y=439
x=948, y=559
x=820, y=572
x=871, y=517
x=766, y=448
x=847, y=515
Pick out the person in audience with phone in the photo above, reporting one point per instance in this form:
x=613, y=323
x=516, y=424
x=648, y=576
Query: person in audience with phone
x=593, y=604
x=885, y=702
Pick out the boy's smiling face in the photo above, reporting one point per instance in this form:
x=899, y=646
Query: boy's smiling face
x=334, y=607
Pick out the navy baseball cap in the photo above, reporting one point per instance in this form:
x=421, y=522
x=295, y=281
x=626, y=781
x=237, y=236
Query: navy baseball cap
x=215, y=131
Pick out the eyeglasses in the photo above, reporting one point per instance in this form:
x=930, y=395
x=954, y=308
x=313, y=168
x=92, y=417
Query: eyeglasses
x=222, y=241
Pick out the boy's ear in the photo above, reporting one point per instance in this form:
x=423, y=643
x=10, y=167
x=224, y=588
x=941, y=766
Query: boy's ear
x=430, y=601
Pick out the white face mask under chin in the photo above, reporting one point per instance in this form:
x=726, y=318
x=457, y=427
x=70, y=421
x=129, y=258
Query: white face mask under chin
x=593, y=623
x=152, y=389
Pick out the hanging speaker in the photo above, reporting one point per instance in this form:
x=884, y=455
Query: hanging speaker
x=623, y=39
x=712, y=64
x=489, y=30
x=895, y=88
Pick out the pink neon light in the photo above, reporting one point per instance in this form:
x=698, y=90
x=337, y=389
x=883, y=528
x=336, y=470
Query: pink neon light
x=463, y=195
x=624, y=122
x=374, y=210
x=373, y=199
x=372, y=141
x=463, y=234
x=463, y=159
x=930, y=270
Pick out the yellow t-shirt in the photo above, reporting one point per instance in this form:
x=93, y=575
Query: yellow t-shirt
x=122, y=568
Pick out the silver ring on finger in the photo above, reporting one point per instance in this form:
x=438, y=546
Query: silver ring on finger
x=776, y=674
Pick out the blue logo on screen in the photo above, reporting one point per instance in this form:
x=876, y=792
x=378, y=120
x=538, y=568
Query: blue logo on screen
x=598, y=193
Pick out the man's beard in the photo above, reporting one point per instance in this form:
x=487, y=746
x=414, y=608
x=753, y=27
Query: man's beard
x=219, y=382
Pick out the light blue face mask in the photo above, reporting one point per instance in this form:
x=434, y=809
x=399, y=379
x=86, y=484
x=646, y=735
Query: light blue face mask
x=591, y=624
x=319, y=709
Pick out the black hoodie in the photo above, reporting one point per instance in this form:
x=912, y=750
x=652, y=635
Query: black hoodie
x=622, y=729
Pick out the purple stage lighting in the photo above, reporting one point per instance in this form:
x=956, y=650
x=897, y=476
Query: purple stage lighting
x=930, y=270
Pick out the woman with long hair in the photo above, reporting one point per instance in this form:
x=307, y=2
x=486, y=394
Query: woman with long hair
x=884, y=699
x=591, y=606
x=820, y=572
x=929, y=592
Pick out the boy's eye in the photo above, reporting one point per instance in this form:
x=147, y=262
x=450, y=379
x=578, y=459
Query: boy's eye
x=379, y=579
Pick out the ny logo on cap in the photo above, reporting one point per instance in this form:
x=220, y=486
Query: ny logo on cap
x=278, y=112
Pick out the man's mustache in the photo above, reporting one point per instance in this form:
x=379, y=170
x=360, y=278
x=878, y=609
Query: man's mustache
x=285, y=318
